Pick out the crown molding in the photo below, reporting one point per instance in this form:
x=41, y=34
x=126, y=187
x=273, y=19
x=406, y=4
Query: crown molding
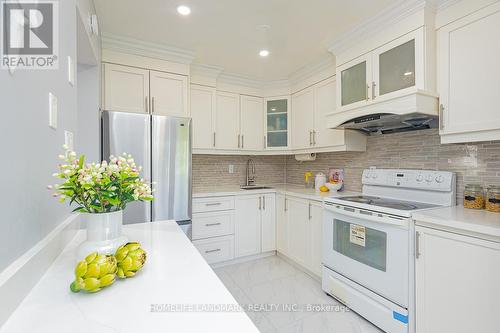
x=246, y=81
x=152, y=50
x=389, y=17
x=210, y=71
x=311, y=69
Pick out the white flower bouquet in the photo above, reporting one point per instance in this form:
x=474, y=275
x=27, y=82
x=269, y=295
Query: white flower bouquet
x=100, y=187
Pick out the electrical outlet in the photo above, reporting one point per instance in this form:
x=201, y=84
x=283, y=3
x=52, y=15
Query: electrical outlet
x=52, y=111
x=231, y=168
x=68, y=140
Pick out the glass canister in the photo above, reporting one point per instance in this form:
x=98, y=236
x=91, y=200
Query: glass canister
x=493, y=198
x=473, y=196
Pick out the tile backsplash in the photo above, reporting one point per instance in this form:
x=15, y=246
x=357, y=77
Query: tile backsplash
x=473, y=163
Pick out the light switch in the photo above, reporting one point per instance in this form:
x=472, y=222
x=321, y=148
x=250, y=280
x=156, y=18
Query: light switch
x=52, y=111
x=231, y=168
x=71, y=71
x=68, y=140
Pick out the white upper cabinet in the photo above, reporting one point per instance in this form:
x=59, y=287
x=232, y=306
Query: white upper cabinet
x=227, y=121
x=169, y=94
x=324, y=103
x=277, y=123
x=252, y=123
x=126, y=89
x=302, y=119
x=203, y=115
x=355, y=79
x=468, y=77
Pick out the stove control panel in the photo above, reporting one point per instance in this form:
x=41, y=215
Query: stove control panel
x=413, y=179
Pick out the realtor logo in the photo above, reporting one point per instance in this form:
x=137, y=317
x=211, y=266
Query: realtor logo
x=29, y=34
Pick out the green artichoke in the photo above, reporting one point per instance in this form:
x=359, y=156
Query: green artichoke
x=130, y=257
x=94, y=273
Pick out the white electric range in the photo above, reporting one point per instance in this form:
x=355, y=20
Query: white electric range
x=368, y=243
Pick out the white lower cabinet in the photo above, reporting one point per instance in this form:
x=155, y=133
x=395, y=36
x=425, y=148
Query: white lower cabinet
x=299, y=231
x=216, y=249
x=457, y=283
x=255, y=224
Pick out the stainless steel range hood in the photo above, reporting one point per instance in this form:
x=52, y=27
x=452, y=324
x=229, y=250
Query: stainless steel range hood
x=386, y=123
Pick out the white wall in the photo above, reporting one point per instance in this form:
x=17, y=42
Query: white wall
x=89, y=120
x=29, y=148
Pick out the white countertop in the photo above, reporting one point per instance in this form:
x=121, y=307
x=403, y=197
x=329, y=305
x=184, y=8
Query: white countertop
x=462, y=219
x=287, y=189
x=175, y=273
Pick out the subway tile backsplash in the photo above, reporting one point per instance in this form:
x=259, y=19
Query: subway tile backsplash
x=473, y=163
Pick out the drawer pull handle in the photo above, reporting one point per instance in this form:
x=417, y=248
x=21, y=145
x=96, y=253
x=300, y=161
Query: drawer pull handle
x=212, y=251
x=213, y=204
x=212, y=224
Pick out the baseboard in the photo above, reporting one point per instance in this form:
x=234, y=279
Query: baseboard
x=17, y=280
x=298, y=266
x=243, y=259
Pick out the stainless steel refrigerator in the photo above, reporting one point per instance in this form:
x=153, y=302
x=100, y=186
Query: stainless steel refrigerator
x=162, y=146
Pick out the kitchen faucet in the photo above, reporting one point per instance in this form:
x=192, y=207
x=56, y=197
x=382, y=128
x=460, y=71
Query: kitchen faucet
x=250, y=179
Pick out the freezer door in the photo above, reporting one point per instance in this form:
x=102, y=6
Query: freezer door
x=171, y=168
x=129, y=133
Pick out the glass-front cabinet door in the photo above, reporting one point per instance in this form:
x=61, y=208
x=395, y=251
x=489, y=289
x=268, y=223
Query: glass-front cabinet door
x=397, y=66
x=354, y=82
x=277, y=133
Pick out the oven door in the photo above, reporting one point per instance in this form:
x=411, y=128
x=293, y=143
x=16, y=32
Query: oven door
x=369, y=249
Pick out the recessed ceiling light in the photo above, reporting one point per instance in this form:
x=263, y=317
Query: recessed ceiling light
x=184, y=10
x=264, y=53
x=408, y=73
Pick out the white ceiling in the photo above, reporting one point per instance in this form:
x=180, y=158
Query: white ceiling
x=225, y=33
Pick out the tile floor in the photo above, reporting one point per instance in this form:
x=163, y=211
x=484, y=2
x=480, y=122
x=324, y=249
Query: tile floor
x=272, y=280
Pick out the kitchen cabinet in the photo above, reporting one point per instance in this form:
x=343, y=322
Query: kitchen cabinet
x=227, y=121
x=457, y=287
x=303, y=118
x=468, y=75
x=255, y=224
x=203, y=115
x=324, y=103
x=252, y=123
x=277, y=124
x=299, y=230
x=395, y=69
x=268, y=222
x=169, y=94
x=281, y=225
x=131, y=89
x=125, y=89
x=316, y=227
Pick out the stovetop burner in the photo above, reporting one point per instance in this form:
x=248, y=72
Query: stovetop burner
x=387, y=203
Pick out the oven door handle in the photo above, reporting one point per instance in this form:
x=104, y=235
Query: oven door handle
x=367, y=215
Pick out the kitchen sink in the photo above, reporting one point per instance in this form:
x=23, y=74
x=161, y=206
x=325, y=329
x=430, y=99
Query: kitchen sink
x=251, y=187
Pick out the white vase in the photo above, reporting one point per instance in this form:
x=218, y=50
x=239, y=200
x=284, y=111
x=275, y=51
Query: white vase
x=104, y=233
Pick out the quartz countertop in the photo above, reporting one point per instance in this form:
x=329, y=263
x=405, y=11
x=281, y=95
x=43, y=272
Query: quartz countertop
x=175, y=278
x=287, y=189
x=458, y=218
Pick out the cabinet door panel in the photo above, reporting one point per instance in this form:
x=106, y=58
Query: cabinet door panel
x=268, y=222
x=169, y=94
x=324, y=103
x=203, y=113
x=316, y=227
x=456, y=283
x=227, y=121
x=281, y=225
x=247, y=229
x=252, y=123
x=302, y=118
x=355, y=82
x=299, y=231
x=469, y=74
x=277, y=123
x=126, y=89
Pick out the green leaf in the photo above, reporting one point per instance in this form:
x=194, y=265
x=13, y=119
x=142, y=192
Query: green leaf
x=81, y=161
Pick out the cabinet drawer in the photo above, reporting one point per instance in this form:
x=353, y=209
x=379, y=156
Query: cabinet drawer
x=216, y=249
x=207, y=225
x=212, y=204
